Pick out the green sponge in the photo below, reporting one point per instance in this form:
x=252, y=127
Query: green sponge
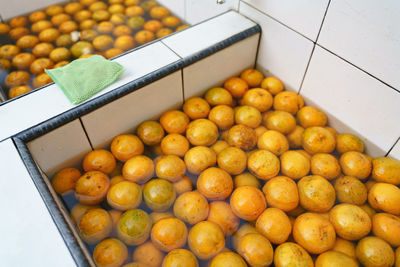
x=84, y=77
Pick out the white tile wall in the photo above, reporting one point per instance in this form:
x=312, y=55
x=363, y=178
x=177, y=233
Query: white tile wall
x=395, y=153
x=204, y=35
x=197, y=11
x=28, y=234
x=63, y=147
x=215, y=69
x=124, y=114
x=356, y=99
x=9, y=9
x=50, y=101
x=282, y=52
x=303, y=16
x=367, y=34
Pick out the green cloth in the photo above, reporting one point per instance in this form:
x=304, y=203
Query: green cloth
x=84, y=77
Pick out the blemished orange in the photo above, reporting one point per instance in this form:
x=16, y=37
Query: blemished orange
x=248, y=202
x=95, y=225
x=126, y=146
x=196, y=108
x=252, y=77
x=227, y=258
x=242, y=137
x=222, y=214
x=180, y=257
x=259, y=98
x=91, y=188
x=171, y=21
x=291, y=254
x=202, y=132
x=99, y=160
x=311, y=116
x=171, y=168
x=148, y=254
x=356, y=164
x=150, y=132
x=233, y=160
x=110, y=251
x=256, y=250
x=272, y=85
x=174, y=144
x=142, y=37
x=174, y=121
x=19, y=90
x=263, y=164
x=169, y=234
x=191, y=207
x=236, y=86
x=65, y=180
x=215, y=184
x=223, y=116
x=248, y=116
x=199, y=158
x=316, y=193
x=281, y=192
x=124, y=42
x=275, y=225
x=288, y=101
x=153, y=25
x=159, y=12
x=138, y=169
x=206, y=240
x=124, y=195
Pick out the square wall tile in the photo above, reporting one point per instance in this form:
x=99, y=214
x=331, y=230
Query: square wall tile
x=63, y=147
x=177, y=7
x=355, y=99
x=216, y=68
x=9, y=9
x=50, y=101
x=282, y=52
x=198, y=11
x=208, y=33
x=395, y=152
x=27, y=230
x=126, y=113
x=367, y=34
x=303, y=16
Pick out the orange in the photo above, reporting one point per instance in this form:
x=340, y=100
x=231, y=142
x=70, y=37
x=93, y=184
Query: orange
x=153, y=25
x=159, y=194
x=183, y=185
x=39, y=65
x=87, y=24
x=27, y=41
x=246, y=178
x=191, y=207
x=68, y=26
x=99, y=160
x=54, y=10
x=72, y=8
x=248, y=116
x=124, y=195
x=316, y=193
x=350, y=190
x=199, y=158
x=180, y=257
x=65, y=180
x=295, y=137
x=148, y=254
x=227, y=258
x=99, y=5
x=148, y=4
x=256, y=250
x=126, y=146
x=79, y=210
x=311, y=116
x=103, y=42
x=263, y=164
x=87, y=2
x=23, y=60
x=122, y=30
x=91, y=188
x=95, y=225
x=280, y=121
x=274, y=142
x=247, y=202
x=42, y=49
x=356, y=164
x=318, y=140
x=223, y=116
x=272, y=85
x=281, y=192
x=36, y=16
x=138, y=169
x=315, y=242
x=202, y=132
x=259, y=98
x=110, y=251
x=218, y=146
x=82, y=15
x=156, y=216
x=215, y=184
x=18, y=22
x=348, y=142
x=206, y=240
x=325, y=165
x=386, y=170
x=150, y=132
x=116, y=179
x=5, y=64
x=334, y=258
x=40, y=26
x=196, y=108
x=171, y=168
x=18, y=32
x=41, y=80
x=291, y=254
x=19, y=90
x=124, y=43
x=163, y=32
x=131, y=2
x=169, y=234
x=174, y=144
x=252, y=77
x=236, y=86
x=242, y=137
x=222, y=214
x=142, y=37
x=171, y=21
x=288, y=101
x=243, y=230
x=233, y=160
x=218, y=96
x=4, y=28
x=60, y=54
x=134, y=11
x=116, y=8
x=8, y=51
x=385, y=197
x=294, y=164
x=275, y=225
x=50, y=35
x=374, y=251
x=16, y=78
x=134, y=227
x=113, y=52
x=159, y=12
x=61, y=64
x=387, y=227
x=105, y=27
x=174, y=121
x=345, y=246
x=350, y=221
x=65, y=40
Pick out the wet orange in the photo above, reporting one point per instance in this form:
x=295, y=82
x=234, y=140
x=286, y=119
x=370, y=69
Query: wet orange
x=174, y=121
x=247, y=202
x=91, y=188
x=191, y=207
x=138, y=169
x=126, y=146
x=215, y=184
x=236, y=86
x=206, y=240
x=281, y=192
x=99, y=160
x=222, y=214
x=65, y=180
x=169, y=234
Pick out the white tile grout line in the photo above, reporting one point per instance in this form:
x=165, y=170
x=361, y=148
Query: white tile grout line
x=395, y=143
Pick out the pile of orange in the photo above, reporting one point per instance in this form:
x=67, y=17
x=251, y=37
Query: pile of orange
x=246, y=176
x=53, y=37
